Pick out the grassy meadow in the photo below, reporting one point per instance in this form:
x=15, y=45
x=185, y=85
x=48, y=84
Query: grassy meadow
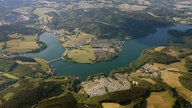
x=8, y=75
x=82, y=55
x=77, y=48
x=43, y=17
x=110, y=105
x=19, y=43
x=76, y=39
x=160, y=100
x=44, y=65
x=172, y=79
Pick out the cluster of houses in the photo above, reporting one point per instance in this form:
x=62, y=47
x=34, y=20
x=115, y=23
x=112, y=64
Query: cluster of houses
x=102, y=85
x=151, y=71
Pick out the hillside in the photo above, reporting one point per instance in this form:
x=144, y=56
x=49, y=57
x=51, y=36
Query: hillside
x=129, y=86
x=181, y=39
x=102, y=19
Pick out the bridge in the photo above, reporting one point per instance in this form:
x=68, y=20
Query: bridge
x=54, y=60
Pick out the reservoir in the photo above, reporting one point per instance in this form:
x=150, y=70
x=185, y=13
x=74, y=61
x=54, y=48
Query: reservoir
x=131, y=49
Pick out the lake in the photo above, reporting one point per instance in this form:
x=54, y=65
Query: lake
x=131, y=49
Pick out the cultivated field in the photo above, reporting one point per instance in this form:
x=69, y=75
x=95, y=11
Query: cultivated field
x=42, y=11
x=160, y=100
x=172, y=79
x=43, y=63
x=110, y=105
x=180, y=66
x=149, y=80
x=115, y=105
x=81, y=55
x=10, y=76
x=176, y=67
x=77, y=46
x=20, y=43
x=43, y=17
x=171, y=76
x=78, y=38
x=127, y=7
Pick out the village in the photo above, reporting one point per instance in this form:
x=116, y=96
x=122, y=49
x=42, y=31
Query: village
x=101, y=85
x=149, y=71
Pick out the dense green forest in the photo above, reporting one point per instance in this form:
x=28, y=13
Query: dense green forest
x=186, y=80
x=149, y=56
x=107, y=23
x=181, y=39
x=6, y=64
x=189, y=63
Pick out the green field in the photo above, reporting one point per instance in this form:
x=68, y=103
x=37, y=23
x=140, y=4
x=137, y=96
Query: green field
x=8, y=75
x=42, y=13
x=43, y=63
x=81, y=55
x=160, y=100
x=19, y=43
x=172, y=79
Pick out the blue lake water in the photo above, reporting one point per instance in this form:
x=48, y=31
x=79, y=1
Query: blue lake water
x=131, y=49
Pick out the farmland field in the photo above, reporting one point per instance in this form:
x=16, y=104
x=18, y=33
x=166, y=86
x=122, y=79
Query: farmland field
x=180, y=66
x=75, y=40
x=10, y=76
x=81, y=55
x=43, y=17
x=172, y=79
x=160, y=100
x=110, y=105
x=131, y=7
x=149, y=80
x=20, y=43
x=114, y=105
x=43, y=63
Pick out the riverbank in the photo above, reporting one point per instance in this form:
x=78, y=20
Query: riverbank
x=160, y=72
x=156, y=75
x=126, y=86
x=131, y=49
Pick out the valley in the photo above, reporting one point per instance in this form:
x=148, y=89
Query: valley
x=104, y=20
x=95, y=54
x=131, y=49
x=147, y=81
